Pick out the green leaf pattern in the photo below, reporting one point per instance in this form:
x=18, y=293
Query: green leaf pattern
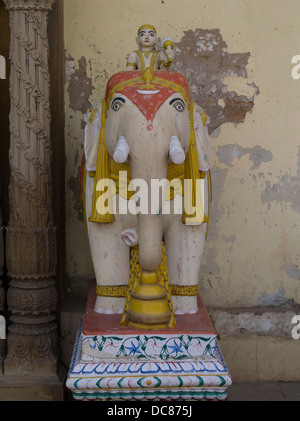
x=153, y=347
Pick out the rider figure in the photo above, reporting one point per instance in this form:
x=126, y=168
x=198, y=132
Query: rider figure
x=147, y=56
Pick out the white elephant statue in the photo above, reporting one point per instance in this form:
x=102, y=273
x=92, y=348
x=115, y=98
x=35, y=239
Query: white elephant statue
x=148, y=128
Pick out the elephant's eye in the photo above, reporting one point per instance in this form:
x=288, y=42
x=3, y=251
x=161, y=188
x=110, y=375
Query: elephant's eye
x=178, y=104
x=117, y=103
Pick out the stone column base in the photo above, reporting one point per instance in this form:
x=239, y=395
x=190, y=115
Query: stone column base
x=31, y=389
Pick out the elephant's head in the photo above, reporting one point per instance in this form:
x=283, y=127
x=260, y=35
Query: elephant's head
x=148, y=125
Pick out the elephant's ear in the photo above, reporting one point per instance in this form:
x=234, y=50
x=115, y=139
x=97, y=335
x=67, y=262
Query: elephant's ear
x=202, y=137
x=91, y=138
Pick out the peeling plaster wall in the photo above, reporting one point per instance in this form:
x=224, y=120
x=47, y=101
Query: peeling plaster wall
x=209, y=65
x=237, y=57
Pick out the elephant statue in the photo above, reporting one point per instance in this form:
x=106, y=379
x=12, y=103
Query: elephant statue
x=146, y=246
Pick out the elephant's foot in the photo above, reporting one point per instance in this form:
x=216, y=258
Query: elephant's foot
x=109, y=305
x=185, y=304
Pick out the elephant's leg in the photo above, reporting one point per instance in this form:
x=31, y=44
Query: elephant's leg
x=184, y=248
x=110, y=256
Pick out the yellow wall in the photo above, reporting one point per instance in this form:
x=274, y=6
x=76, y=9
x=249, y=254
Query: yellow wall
x=252, y=251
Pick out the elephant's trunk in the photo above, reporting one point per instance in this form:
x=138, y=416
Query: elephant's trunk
x=150, y=241
x=149, y=306
x=150, y=225
x=150, y=231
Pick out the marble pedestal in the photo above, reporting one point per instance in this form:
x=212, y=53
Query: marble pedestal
x=122, y=363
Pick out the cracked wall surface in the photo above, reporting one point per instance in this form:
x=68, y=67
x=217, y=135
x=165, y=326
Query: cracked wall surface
x=286, y=190
x=209, y=64
x=238, y=62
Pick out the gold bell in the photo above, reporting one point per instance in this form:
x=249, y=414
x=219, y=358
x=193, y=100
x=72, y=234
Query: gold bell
x=148, y=308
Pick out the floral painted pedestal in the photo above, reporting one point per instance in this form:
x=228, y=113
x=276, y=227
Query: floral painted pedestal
x=113, y=362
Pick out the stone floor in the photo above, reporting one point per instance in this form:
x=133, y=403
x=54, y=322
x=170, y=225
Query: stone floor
x=265, y=391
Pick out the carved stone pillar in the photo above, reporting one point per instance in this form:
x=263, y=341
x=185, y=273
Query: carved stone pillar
x=30, y=236
x=2, y=292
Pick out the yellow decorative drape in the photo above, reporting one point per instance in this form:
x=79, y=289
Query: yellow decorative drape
x=102, y=173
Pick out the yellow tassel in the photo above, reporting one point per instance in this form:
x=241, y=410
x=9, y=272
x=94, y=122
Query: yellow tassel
x=192, y=189
x=102, y=173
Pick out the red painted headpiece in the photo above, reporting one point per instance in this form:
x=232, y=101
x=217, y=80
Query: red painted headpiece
x=148, y=90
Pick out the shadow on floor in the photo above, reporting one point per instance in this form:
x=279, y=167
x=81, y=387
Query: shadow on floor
x=264, y=391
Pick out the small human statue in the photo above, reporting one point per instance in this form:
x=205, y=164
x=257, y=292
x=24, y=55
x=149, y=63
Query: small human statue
x=149, y=55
